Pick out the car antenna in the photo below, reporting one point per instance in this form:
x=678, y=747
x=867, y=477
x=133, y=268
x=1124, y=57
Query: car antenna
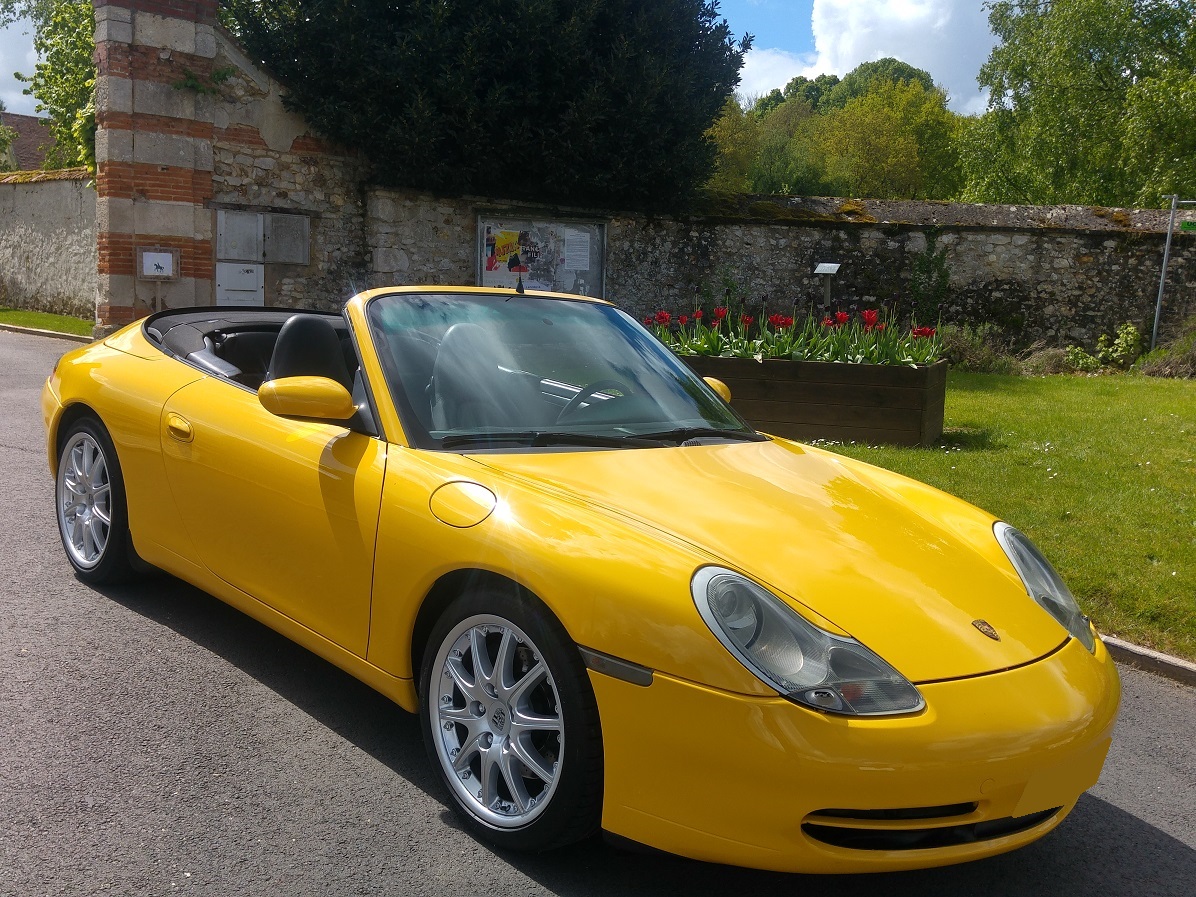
x=518, y=288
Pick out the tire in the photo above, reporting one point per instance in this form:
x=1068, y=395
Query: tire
x=93, y=518
x=519, y=747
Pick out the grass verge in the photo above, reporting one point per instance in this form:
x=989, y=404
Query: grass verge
x=45, y=321
x=1099, y=471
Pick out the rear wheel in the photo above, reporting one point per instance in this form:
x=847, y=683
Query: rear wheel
x=510, y=722
x=90, y=500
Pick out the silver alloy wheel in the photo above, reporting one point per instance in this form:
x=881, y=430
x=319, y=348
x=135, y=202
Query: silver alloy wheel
x=84, y=494
x=499, y=731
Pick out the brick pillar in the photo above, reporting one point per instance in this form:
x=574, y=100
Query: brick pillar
x=153, y=152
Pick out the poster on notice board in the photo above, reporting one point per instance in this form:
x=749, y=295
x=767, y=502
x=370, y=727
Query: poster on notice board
x=558, y=256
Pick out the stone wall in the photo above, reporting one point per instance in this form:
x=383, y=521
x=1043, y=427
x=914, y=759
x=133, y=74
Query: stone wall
x=188, y=126
x=48, y=242
x=1061, y=275
x=266, y=160
x=416, y=238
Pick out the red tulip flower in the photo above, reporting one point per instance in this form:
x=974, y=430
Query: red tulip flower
x=841, y=318
x=663, y=318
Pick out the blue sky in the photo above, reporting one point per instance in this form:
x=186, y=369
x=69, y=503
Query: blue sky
x=16, y=55
x=775, y=23
x=948, y=38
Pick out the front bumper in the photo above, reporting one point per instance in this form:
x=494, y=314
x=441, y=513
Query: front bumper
x=734, y=779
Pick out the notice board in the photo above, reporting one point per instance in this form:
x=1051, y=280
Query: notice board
x=563, y=256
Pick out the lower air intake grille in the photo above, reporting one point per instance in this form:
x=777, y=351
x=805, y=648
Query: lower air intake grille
x=924, y=838
x=901, y=813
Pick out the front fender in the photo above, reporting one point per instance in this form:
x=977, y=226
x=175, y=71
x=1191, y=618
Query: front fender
x=616, y=587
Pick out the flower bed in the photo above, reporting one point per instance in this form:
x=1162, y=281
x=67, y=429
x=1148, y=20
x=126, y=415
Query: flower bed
x=835, y=378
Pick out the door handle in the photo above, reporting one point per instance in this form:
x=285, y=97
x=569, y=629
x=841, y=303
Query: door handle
x=179, y=427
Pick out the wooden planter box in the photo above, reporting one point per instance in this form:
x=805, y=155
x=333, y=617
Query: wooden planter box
x=823, y=400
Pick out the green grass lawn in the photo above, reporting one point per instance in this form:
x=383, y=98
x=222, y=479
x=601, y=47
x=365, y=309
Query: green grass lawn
x=1099, y=471
x=44, y=321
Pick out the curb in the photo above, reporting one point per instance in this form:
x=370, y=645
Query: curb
x=1174, y=668
x=53, y=334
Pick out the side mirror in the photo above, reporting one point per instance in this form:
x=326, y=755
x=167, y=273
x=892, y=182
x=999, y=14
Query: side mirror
x=720, y=387
x=307, y=398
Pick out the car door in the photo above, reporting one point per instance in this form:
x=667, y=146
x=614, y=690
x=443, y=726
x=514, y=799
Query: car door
x=286, y=511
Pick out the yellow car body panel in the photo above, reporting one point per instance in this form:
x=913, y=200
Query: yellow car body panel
x=286, y=511
x=127, y=391
x=731, y=779
x=336, y=539
x=588, y=568
x=880, y=569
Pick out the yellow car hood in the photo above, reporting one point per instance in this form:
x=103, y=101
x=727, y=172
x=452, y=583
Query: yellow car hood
x=900, y=566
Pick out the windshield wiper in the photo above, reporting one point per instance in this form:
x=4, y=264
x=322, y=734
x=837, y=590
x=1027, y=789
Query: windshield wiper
x=684, y=434
x=540, y=438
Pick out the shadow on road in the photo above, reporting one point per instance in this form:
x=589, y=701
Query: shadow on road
x=1099, y=849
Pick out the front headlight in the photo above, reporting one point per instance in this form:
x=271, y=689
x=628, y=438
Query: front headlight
x=804, y=663
x=1043, y=583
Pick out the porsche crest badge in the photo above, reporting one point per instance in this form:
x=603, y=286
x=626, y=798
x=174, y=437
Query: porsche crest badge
x=986, y=627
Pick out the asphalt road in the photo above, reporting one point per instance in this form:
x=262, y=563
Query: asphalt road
x=153, y=740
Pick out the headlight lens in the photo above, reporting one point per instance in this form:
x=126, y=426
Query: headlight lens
x=1043, y=583
x=801, y=661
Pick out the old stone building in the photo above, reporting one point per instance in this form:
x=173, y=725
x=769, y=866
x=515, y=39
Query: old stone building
x=29, y=148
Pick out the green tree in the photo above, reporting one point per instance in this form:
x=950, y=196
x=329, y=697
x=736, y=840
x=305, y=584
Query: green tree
x=811, y=91
x=36, y=10
x=777, y=167
x=63, y=80
x=736, y=137
x=603, y=101
x=883, y=131
x=861, y=79
x=768, y=102
x=897, y=141
x=1159, y=153
x=1090, y=102
x=7, y=136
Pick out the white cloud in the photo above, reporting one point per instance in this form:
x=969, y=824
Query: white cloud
x=948, y=38
x=765, y=69
x=16, y=55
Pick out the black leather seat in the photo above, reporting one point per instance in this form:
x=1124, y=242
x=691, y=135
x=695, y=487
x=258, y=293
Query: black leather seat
x=308, y=346
x=249, y=350
x=469, y=390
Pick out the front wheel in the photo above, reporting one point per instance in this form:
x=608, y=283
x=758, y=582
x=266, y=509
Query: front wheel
x=510, y=722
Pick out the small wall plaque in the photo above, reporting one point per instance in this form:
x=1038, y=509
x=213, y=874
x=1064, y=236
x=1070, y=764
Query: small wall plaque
x=157, y=263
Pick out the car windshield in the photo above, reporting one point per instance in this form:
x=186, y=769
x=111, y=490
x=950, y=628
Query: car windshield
x=477, y=371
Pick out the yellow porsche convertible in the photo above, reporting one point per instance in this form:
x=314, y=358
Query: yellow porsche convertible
x=612, y=602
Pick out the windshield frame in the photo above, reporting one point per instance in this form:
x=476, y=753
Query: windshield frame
x=420, y=436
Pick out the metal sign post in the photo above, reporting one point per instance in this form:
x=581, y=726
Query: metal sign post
x=1158, y=309
x=828, y=270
